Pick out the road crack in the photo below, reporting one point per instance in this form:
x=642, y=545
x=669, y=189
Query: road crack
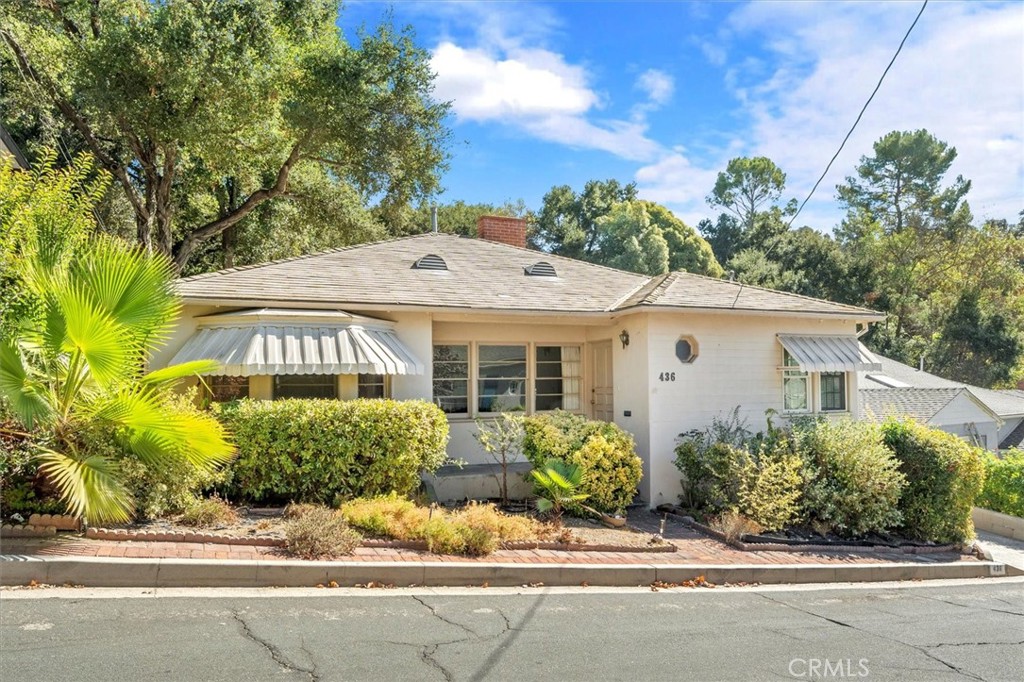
x=274, y=652
x=920, y=649
x=433, y=612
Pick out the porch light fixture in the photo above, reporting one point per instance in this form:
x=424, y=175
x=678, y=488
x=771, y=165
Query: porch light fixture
x=624, y=338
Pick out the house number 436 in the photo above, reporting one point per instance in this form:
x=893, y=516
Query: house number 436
x=667, y=376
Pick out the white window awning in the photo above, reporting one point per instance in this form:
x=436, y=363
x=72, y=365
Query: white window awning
x=829, y=353
x=259, y=342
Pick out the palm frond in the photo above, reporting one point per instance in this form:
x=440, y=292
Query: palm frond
x=90, y=487
x=24, y=395
x=133, y=287
x=104, y=343
x=173, y=373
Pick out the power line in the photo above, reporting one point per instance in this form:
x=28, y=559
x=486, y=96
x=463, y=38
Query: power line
x=860, y=115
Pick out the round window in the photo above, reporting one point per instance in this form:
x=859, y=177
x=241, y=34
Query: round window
x=686, y=349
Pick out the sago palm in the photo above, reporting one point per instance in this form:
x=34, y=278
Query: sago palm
x=74, y=376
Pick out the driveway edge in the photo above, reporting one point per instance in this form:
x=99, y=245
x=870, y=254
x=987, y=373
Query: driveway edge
x=156, y=573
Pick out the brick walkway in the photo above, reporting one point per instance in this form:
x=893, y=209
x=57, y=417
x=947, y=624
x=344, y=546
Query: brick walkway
x=693, y=548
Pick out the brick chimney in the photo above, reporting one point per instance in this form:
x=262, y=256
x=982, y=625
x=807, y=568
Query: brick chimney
x=511, y=231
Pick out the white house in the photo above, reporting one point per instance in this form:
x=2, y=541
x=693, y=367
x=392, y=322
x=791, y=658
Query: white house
x=992, y=418
x=484, y=325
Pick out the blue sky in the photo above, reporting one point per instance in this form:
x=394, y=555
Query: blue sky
x=665, y=93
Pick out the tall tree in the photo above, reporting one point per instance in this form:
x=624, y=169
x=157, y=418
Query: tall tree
x=243, y=93
x=567, y=221
x=457, y=217
x=746, y=185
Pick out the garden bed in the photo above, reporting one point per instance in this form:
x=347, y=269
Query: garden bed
x=265, y=527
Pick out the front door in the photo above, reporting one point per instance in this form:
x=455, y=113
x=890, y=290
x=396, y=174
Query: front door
x=601, y=404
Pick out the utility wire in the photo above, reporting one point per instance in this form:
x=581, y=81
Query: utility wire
x=860, y=115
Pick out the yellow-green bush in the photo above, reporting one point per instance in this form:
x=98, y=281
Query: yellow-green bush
x=319, y=450
x=944, y=476
x=606, y=454
x=853, y=481
x=1004, y=484
x=771, y=488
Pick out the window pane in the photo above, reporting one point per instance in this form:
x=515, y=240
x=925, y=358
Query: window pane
x=795, y=393
x=306, y=386
x=501, y=374
x=451, y=378
x=789, y=360
x=372, y=386
x=222, y=389
x=833, y=391
x=558, y=378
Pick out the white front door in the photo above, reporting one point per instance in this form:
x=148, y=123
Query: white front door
x=601, y=403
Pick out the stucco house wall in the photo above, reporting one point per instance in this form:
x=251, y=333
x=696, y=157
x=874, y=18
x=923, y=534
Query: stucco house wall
x=958, y=416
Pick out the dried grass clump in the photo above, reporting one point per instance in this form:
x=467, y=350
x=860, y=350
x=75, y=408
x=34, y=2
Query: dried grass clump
x=734, y=526
x=209, y=513
x=320, y=533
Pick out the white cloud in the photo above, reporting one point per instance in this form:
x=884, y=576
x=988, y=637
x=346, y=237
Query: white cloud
x=508, y=75
x=657, y=84
x=482, y=87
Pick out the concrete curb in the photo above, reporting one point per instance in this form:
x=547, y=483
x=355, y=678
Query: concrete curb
x=156, y=573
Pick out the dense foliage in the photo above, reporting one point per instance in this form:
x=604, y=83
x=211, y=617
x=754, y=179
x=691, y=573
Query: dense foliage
x=944, y=477
x=1004, y=483
x=322, y=450
x=205, y=112
x=606, y=454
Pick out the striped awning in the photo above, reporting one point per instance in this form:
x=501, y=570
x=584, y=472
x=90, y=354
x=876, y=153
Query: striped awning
x=293, y=342
x=829, y=353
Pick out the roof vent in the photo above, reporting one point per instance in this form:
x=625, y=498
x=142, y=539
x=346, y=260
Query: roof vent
x=541, y=269
x=430, y=262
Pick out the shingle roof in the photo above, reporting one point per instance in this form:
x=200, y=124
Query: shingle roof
x=482, y=275
x=687, y=290
x=1014, y=439
x=1003, y=403
x=919, y=403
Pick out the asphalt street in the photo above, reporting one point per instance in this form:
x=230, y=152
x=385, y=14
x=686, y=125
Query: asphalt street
x=969, y=630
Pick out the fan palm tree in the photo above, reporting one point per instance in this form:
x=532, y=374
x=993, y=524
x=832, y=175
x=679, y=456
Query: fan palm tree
x=557, y=483
x=74, y=375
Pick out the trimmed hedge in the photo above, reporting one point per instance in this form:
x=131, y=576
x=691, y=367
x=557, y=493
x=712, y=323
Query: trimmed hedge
x=944, y=476
x=606, y=454
x=1004, y=484
x=323, y=450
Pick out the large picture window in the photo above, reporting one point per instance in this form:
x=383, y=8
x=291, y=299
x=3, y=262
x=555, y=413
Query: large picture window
x=557, y=378
x=833, y=392
x=501, y=378
x=306, y=386
x=451, y=378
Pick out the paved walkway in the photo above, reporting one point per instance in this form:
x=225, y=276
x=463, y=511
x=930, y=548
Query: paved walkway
x=1004, y=550
x=692, y=548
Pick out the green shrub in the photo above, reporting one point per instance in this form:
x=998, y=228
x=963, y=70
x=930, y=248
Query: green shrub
x=944, y=476
x=317, y=450
x=604, y=452
x=209, y=513
x=22, y=491
x=713, y=473
x=1004, y=484
x=772, y=486
x=320, y=533
x=853, y=482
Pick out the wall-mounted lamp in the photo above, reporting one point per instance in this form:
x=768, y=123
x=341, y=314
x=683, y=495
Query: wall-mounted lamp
x=624, y=338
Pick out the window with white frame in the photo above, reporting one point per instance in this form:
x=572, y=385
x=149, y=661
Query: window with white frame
x=323, y=386
x=373, y=386
x=451, y=378
x=833, y=391
x=501, y=378
x=558, y=378
x=796, y=385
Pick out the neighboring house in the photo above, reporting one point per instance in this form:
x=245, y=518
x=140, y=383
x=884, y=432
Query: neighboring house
x=480, y=326
x=9, y=149
x=995, y=419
